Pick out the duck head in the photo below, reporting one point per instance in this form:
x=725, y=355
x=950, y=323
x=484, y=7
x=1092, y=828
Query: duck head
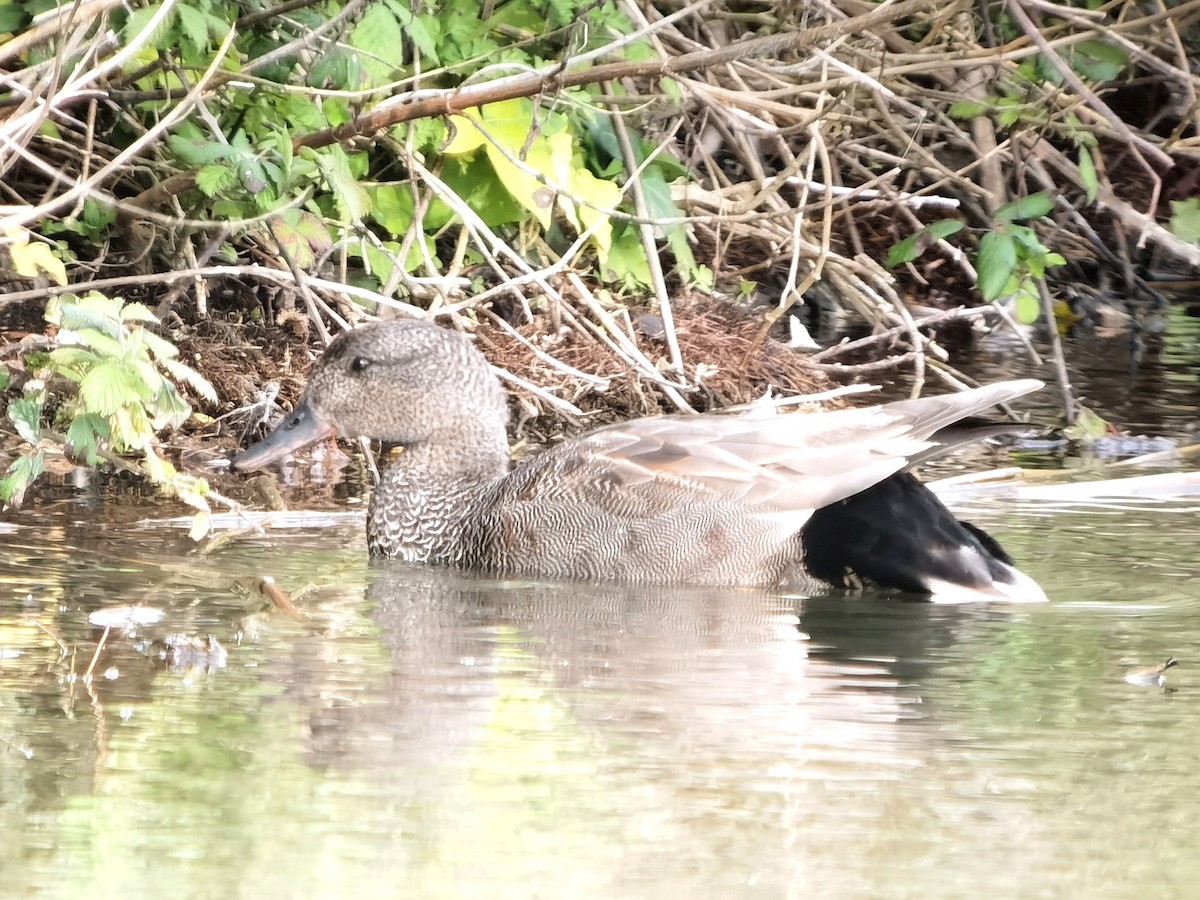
x=404, y=383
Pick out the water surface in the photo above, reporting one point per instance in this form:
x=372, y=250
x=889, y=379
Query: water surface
x=424, y=735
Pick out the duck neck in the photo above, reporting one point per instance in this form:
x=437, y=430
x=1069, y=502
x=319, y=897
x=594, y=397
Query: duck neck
x=425, y=493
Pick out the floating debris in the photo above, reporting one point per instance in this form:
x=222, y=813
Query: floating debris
x=125, y=618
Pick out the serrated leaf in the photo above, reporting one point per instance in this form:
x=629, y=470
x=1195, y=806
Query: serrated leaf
x=169, y=410
x=380, y=39
x=20, y=475
x=110, y=387
x=25, y=413
x=137, y=312
x=191, y=378
x=967, y=109
x=137, y=22
x=349, y=196
x=213, y=178
x=160, y=347
x=72, y=362
x=99, y=342
x=193, y=25
x=997, y=259
x=424, y=31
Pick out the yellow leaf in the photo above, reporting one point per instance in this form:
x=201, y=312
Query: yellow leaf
x=201, y=525
x=467, y=137
x=526, y=189
x=598, y=193
x=30, y=260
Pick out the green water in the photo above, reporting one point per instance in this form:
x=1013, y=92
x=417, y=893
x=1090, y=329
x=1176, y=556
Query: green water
x=420, y=735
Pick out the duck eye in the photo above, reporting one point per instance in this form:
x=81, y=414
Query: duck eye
x=360, y=364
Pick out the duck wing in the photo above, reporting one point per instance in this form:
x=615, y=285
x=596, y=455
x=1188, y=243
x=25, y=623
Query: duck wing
x=787, y=463
x=709, y=499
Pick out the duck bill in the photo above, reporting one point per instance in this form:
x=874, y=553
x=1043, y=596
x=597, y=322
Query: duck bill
x=301, y=429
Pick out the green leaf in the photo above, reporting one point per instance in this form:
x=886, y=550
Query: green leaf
x=1027, y=304
x=1087, y=174
x=350, y=198
x=904, y=251
x=25, y=414
x=1097, y=60
x=1028, y=240
x=21, y=474
x=193, y=148
x=943, y=228
x=1088, y=426
x=214, y=178
x=627, y=263
x=13, y=18
x=139, y=19
x=111, y=386
x=71, y=362
x=392, y=206
x=1185, y=219
x=997, y=259
x=1031, y=207
x=380, y=40
x=916, y=244
x=85, y=436
x=137, y=312
x=160, y=347
x=968, y=109
x=193, y=25
x=191, y=378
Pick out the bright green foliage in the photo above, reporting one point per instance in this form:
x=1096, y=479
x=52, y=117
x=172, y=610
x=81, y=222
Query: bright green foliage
x=1024, y=98
x=540, y=166
x=553, y=164
x=1012, y=259
x=1185, y=219
x=918, y=242
x=124, y=394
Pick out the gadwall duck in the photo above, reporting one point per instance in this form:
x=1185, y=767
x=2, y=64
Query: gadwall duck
x=714, y=499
